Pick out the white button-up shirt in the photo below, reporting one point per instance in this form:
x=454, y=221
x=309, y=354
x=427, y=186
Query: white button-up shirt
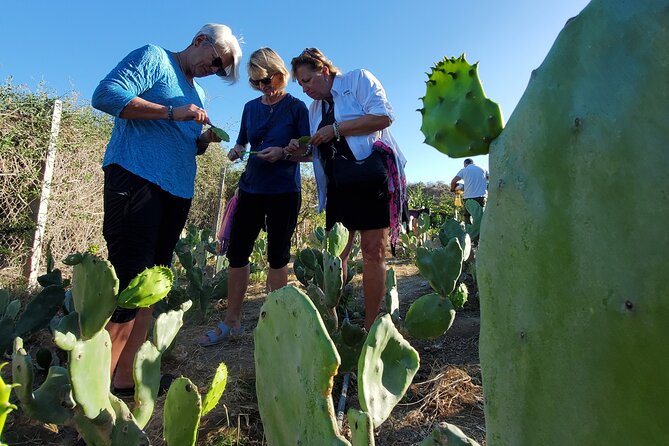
x=355, y=94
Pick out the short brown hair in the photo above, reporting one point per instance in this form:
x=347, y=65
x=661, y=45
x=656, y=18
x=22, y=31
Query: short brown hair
x=315, y=59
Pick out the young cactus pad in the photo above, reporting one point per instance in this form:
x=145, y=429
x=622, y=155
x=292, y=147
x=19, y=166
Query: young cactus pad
x=294, y=400
x=447, y=435
x=362, y=428
x=183, y=406
x=386, y=367
x=458, y=119
x=219, y=132
x=5, y=405
x=147, y=288
x=572, y=263
x=441, y=266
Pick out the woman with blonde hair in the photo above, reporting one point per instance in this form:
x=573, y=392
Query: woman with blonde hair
x=269, y=193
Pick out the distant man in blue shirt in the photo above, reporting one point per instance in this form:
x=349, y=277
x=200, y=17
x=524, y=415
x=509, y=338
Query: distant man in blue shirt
x=476, y=185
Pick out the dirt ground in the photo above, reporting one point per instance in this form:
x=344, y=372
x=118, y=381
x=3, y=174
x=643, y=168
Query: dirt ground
x=446, y=388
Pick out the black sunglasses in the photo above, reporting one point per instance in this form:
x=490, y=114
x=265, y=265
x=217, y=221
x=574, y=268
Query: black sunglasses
x=265, y=81
x=218, y=62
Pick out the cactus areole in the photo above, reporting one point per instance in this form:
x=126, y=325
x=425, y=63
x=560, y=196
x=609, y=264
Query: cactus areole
x=572, y=264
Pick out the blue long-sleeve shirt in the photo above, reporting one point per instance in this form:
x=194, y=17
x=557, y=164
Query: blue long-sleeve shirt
x=265, y=126
x=160, y=151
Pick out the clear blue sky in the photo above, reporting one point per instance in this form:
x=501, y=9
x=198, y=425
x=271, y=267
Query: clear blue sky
x=71, y=45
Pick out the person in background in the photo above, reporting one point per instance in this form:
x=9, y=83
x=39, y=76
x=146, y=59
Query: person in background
x=475, y=181
x=269, y=189
x=149, y=164
x=349, y=115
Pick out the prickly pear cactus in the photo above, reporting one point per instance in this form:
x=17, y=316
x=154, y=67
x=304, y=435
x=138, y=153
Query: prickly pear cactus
x=458, y=119
x=429, y=316
x=94, y=290
x=295, y=405
x=147, y=288
x=441, y=266
x=337, y=239
x=5, y=406
x=362, y=428
x=386, y=367
x=183, y=406
x=447, y=435
x=573, y=292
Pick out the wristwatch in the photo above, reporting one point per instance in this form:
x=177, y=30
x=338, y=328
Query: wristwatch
x=170, y=113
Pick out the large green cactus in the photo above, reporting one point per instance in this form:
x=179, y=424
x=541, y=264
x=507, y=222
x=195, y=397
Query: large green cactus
x=573, y=292
x=295, y=404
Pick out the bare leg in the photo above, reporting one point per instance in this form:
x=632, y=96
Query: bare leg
x=126, y=340
x=277, y=278
x=373, y=247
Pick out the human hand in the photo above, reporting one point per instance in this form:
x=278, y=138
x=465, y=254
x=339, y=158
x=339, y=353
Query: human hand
x=209, y=136
x=293, y=146
x=324, y=134
x=191, y=112
x=271, y=154
x=235, y=153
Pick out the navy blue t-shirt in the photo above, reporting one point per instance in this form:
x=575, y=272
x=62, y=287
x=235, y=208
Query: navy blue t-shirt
x=272, y=126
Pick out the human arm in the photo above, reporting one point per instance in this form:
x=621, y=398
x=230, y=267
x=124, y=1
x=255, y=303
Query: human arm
x=119, y=93
x=237, y=152
x=364, y=125
x=454, y=182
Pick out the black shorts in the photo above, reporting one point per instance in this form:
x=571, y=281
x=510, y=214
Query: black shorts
x=366, y=209
x=276, y=213
x=142, y=224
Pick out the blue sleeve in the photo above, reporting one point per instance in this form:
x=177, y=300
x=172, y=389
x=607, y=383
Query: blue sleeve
x=303, y=120
x=243, y=137
x=134, y=75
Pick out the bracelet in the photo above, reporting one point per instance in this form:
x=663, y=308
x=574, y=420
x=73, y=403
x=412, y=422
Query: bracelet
x=286, y=156
x=309, y=150
x=335, y=126
x=170, y=113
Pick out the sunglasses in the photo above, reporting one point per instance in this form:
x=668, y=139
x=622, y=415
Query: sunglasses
x=218, y=63
x=265, y=81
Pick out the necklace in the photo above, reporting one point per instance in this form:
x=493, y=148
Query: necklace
x=271, y=104
x=181, y=67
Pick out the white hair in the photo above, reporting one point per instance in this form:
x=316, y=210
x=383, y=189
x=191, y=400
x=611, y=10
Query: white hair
x=221, y=35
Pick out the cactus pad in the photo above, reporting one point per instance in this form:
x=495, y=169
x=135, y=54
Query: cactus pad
x=182, y=413
x=147, y=288
x=333, y=279
x=447, y=435
x=337, y=239
x=167, y=326
x=458, y=119
x=295, y=402
x=362, y=428
x=429, y=316
x=89, y=365
x=94, y=290
x=386, y=367
x=216, y=389
x=441, y=266
x=572, y=263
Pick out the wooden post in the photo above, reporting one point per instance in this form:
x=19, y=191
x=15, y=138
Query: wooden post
x=38, y=239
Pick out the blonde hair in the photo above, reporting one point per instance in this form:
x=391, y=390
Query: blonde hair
x=265, y=62
x=221, y=35
x=314, y=58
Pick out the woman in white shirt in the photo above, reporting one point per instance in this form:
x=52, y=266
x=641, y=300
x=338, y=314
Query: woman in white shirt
x=349, y=120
